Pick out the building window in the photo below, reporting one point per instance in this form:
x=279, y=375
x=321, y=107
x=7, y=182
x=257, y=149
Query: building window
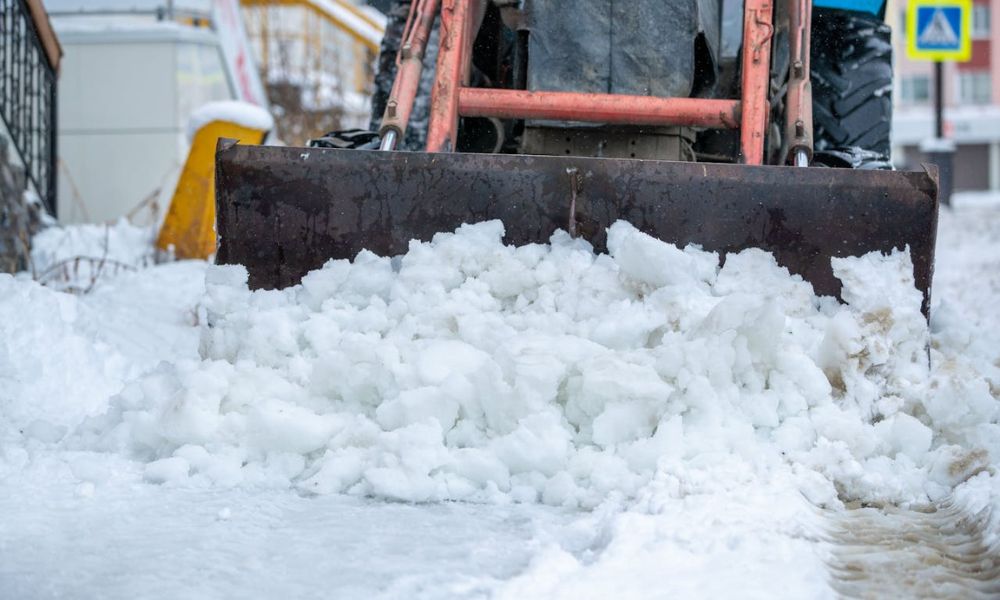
x=974, y=87
x=981, y=21
x=915, y=89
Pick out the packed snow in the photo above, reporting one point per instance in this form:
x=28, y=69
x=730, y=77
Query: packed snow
x=639, y=422
x=241, y=113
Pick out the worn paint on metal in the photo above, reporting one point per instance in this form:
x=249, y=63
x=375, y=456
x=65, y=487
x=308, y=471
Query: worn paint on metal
x=618, y=109
x=283, y=212
x=758, y=29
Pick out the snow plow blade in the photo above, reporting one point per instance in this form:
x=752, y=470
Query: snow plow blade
x=285, y=211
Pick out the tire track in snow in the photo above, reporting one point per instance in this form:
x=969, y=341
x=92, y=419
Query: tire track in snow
x=936, y=551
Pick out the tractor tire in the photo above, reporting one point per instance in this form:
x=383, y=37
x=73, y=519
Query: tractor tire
x=851, y=75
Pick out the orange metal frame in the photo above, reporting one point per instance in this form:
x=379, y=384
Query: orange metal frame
x=451, y=98
x=409, y=64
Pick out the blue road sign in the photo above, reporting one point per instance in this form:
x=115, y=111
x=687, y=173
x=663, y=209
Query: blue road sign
x=939, y=29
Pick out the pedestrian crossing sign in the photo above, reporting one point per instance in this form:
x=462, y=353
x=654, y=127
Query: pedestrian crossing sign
x=939, y=30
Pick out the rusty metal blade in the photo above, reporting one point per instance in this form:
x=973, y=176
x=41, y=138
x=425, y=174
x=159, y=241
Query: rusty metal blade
x=284, y=211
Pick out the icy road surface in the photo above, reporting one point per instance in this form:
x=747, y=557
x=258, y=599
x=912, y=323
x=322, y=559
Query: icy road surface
x=150, y=542
x=78, y=520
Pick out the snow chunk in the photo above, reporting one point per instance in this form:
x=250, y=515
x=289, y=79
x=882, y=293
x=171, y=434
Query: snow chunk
x=647, y=260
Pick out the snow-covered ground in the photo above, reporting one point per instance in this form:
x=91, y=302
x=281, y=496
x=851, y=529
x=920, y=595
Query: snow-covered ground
x=479, y=421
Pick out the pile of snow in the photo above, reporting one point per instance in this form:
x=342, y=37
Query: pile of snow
x=703, y=412
x=471, y=370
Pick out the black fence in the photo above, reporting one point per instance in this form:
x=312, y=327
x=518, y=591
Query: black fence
x=28, y=97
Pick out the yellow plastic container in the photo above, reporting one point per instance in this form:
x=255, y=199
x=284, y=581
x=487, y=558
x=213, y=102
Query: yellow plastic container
x=189, y=227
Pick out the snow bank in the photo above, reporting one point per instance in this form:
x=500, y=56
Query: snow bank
x=75, y=257
x=121, y=241
x=242, y=113
x=43, y=396
x=62, y=356
x=471, y=370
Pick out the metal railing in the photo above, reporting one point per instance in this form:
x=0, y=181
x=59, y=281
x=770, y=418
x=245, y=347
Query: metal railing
x=28, y=97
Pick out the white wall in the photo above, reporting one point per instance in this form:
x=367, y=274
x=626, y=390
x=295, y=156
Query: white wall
x=124, y=100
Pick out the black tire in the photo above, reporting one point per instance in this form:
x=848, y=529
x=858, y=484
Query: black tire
x=852, y=86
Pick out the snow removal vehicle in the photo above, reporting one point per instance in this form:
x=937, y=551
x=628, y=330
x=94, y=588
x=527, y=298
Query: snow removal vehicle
x=727, y=124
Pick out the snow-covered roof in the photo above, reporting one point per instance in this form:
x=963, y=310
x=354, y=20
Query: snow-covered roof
x=97, y=6
x=108, y=29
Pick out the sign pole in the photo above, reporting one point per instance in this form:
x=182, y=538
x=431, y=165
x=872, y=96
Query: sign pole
x=940, y=150
x=939, y=30
x=939, y=100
